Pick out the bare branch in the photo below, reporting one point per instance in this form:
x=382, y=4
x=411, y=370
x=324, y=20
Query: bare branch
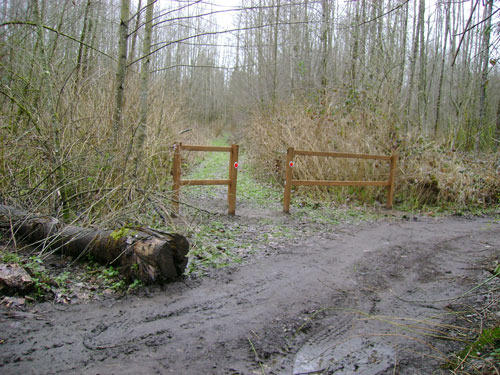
x=166, y=44
x=463, y=34
x=34, y=24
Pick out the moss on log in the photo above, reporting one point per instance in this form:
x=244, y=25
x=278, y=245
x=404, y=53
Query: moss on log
x=143, y=254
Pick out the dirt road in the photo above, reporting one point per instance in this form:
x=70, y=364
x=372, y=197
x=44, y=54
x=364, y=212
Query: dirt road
x=357, y=299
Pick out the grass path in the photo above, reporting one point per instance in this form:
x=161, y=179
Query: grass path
x=249, y=191
x=218, y=240
x=259, y=227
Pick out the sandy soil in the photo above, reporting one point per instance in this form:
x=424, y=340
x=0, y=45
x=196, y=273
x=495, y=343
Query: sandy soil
x=349, y=299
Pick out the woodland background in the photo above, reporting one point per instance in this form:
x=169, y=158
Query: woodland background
x=93, y=93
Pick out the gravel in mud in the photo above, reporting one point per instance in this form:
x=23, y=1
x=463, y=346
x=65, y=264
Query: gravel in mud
x=369, y=298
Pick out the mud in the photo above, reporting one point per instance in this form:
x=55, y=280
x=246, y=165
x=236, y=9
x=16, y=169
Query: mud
x=369, y=299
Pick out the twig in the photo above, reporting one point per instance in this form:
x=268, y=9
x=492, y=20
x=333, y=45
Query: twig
x=462, y=360
x=191, y=206
x=11, y=226
x=184, y=203
x=257, y=356
x=165, y=220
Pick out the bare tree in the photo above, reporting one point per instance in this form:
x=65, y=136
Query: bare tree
x=134, y=35
x=144, y=90
x=484, y=63
x=121, y=66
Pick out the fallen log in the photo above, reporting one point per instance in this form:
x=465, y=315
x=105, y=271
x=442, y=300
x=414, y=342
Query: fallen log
x=142, y=254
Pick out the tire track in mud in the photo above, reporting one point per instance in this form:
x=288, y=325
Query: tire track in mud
x=378, y=346
x=331, y=303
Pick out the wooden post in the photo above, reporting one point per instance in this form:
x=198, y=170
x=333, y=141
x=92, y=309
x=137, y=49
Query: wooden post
x=288, y=180
x=233, y=176
x=392, y=175
x=176, y=173
x=230, y=182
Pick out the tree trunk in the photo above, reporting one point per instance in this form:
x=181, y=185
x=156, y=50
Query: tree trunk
x=441, y=73
x=131, y=56
x=325, y=24
x=48, y=90
x=422, y=84
x=142, y=254
x=83, y=37
x=497, y=140
x=260, y=56
x=59, y=27
x=306, y=54
x=484, y=61
x=122, y=66
x=404, y=40
x=413, y=63
x=275, y=53
x=143, y=97
x=355, y=49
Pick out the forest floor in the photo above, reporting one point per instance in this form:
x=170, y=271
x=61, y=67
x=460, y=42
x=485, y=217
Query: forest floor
x=317, y=291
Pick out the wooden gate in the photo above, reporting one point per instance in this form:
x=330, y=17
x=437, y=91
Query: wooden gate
x=291, y=153
x=230, y=182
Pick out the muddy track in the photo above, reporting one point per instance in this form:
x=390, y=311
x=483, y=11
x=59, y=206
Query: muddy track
x=339, y=302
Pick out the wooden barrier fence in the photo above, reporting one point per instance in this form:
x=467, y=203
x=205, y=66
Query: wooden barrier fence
x=230, y=182
x=291, y=153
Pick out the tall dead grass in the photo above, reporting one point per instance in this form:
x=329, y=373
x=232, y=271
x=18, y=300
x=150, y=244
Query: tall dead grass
x=429, y=171
x=106, y=179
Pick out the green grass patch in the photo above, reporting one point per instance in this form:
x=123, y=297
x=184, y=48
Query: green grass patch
x=329, y=214
x=210, y=166
x=251, y=190
x=214, y=245
x=9, y=257
x=485, y=347
x=215, y=165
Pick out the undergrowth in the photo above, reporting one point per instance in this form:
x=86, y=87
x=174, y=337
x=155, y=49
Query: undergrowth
x=83, y=168
x=481, y=356
x=430, y=172
x=212, y=246
x=54, y=281
x=213, y=242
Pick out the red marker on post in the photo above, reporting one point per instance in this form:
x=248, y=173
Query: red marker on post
x=236, y=165
x=291, y=164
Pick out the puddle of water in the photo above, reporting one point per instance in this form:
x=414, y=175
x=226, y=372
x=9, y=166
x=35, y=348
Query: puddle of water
x=352, y=356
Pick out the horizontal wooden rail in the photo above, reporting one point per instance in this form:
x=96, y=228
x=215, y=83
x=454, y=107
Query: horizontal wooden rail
x=339, y=183
x=205, y=182
x=341, y=155
x=208, y=148
x=230, y=182
x=291, y=153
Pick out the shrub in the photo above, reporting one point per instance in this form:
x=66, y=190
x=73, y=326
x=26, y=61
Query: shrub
x=429, y=171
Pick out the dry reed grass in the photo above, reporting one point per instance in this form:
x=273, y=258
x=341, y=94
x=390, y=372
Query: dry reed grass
x=105, y=178
x=429, y=172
